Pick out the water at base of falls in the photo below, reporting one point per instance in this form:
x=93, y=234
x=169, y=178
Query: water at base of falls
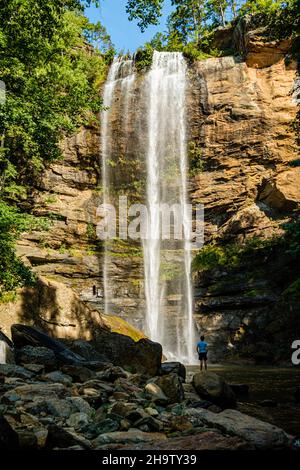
x=159, y=115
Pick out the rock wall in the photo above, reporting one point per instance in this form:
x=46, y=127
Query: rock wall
x=240, y=111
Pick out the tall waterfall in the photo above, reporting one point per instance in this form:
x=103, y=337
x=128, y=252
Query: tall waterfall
x=151, y=130
x=167, y=184
x=120, y=78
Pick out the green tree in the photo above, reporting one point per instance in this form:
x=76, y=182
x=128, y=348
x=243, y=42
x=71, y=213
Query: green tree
x=52, y=80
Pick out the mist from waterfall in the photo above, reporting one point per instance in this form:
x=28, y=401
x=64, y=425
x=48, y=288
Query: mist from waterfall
x=158, y=116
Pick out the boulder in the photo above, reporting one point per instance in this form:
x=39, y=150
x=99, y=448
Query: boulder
x=257, y=433
x=176, y=367
x=29, y=336
x=143, y=356
x=171, y=385
x=212, y=387
x=208, y=440
x=36, y=355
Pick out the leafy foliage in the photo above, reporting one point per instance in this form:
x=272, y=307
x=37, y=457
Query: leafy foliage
x=52, y=77
x=13, y=273
x=192, y=22
x=232, y=255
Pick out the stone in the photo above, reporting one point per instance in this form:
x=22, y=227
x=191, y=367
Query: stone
x=80, y=405
x=111, y=374
x=27, y=439
x=122, y=409
x=171, y=385
x=156, y=394
x=8, y=437
x=58, y=377
x=36, y=355
x=152, y=424
x=143, y=356
x=41, y=435
x=30, y=392
x=107, y=425
x=207, y=441
x=131, y=436
x=35, y=368
x=136, y=415
x=78, y=373
x=213, y=388
x=177, y=367
x=58, y=407
x=78, y=420
x=151, y=411
x=259, y=434
x=119, y=396
x=12, y=370
x=180, y=423
x=62, y=438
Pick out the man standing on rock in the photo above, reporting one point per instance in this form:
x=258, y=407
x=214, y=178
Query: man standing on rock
x=202, y=352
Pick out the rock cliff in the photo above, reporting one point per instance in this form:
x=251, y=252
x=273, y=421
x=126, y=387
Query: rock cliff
x=243, y=168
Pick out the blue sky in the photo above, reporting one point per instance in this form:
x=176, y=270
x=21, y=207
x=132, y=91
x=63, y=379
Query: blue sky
x=125, y=35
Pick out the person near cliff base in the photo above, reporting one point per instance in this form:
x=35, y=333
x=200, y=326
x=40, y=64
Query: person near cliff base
x=202, y=352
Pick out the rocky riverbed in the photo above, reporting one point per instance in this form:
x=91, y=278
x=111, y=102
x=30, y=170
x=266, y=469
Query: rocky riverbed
x=54, y=398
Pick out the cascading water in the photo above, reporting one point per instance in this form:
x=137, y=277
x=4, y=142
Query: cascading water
x=120, y=78
x=152, y=132
x=167, y=184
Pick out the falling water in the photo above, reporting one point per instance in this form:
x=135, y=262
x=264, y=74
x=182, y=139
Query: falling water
x=153, y=132
x=120, y=76
x=167, y=183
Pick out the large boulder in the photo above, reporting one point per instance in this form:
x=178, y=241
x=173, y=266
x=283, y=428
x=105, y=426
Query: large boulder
x=23, y=336
x=177, y=367
x=259, y=434
x=36, y=355
x=212, y=387
x=143, y=356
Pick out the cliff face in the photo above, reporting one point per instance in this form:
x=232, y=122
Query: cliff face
x=242, y=146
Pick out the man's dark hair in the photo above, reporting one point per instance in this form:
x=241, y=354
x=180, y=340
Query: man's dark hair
x=202, y=338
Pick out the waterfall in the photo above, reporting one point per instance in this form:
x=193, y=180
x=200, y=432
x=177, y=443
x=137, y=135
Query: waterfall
x=167, y=184
x=151, y=131
x=120, y=78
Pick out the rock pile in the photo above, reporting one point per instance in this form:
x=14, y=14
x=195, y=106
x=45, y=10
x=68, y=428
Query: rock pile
x=47, y=402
